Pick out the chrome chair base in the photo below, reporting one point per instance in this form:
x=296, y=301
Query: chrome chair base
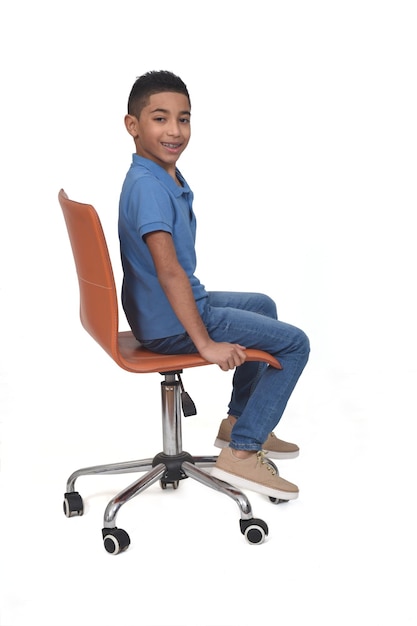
x=169, y=467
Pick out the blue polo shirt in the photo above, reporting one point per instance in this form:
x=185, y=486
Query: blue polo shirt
x=151, y=200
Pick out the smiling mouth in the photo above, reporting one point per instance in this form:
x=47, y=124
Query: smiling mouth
x=171, y=146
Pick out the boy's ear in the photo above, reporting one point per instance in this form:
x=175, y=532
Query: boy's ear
x=131, y=123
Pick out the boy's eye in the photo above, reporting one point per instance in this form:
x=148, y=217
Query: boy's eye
x=184, y=120
x=159, y=119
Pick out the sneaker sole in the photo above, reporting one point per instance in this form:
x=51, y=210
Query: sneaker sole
x=243, y=483
x=220, y=443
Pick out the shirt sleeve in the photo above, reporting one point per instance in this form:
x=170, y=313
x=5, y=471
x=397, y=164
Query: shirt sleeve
x=150, y=207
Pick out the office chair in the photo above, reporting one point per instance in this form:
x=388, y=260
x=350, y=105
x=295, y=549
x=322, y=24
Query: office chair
x=99, y=317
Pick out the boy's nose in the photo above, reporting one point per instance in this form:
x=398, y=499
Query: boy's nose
x=174, y=129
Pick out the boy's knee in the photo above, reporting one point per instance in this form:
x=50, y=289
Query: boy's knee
x=303, y=343
x=268, y=306
x=299, y=343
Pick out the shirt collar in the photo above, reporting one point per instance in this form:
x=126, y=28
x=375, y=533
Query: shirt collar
x=162, y=175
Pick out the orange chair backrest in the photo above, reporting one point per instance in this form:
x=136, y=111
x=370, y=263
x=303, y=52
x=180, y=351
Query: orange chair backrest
x=98, y=298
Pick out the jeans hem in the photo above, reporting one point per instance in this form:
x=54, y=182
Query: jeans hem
x=245, y=447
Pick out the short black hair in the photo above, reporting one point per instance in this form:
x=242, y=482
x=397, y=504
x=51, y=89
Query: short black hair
x=151, y=83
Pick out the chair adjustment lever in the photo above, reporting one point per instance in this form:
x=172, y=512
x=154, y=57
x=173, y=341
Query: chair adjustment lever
x=188, y=406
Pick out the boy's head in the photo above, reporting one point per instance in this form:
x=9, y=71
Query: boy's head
x=151, y=83
x=158, y=118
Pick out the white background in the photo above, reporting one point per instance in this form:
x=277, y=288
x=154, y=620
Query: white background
x=303, y=165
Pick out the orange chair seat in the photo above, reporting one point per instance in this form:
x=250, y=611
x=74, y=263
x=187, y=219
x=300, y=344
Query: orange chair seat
x=135, y=358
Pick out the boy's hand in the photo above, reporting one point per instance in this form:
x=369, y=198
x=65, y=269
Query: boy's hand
x=226, y=355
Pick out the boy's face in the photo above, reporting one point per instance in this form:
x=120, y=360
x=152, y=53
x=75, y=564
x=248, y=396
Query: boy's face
x=163, y=129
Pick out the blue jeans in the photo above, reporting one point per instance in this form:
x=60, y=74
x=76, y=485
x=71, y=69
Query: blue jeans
x=260, y=392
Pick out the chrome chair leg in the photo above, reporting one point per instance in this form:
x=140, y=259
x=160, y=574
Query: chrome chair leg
x=219, y=485
x=128, y=467
x=156, y=473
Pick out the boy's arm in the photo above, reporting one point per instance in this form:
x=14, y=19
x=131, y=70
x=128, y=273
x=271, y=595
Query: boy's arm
x=177, y=288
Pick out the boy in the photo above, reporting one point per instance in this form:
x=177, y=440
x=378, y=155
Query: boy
x=170, y=311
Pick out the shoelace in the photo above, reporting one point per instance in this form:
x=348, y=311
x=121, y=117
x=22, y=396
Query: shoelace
x=263, y=461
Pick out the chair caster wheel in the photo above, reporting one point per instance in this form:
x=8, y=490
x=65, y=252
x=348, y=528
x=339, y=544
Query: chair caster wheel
x=255, y=530
x=272, y=464
x=115, y=540
x=174, y=484
x=73, y=504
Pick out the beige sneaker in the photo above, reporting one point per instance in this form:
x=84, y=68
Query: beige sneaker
x=273, y=447
x=253, y=473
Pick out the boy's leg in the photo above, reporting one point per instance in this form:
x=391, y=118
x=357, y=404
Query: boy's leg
x=261, y=410
x=271, y=390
